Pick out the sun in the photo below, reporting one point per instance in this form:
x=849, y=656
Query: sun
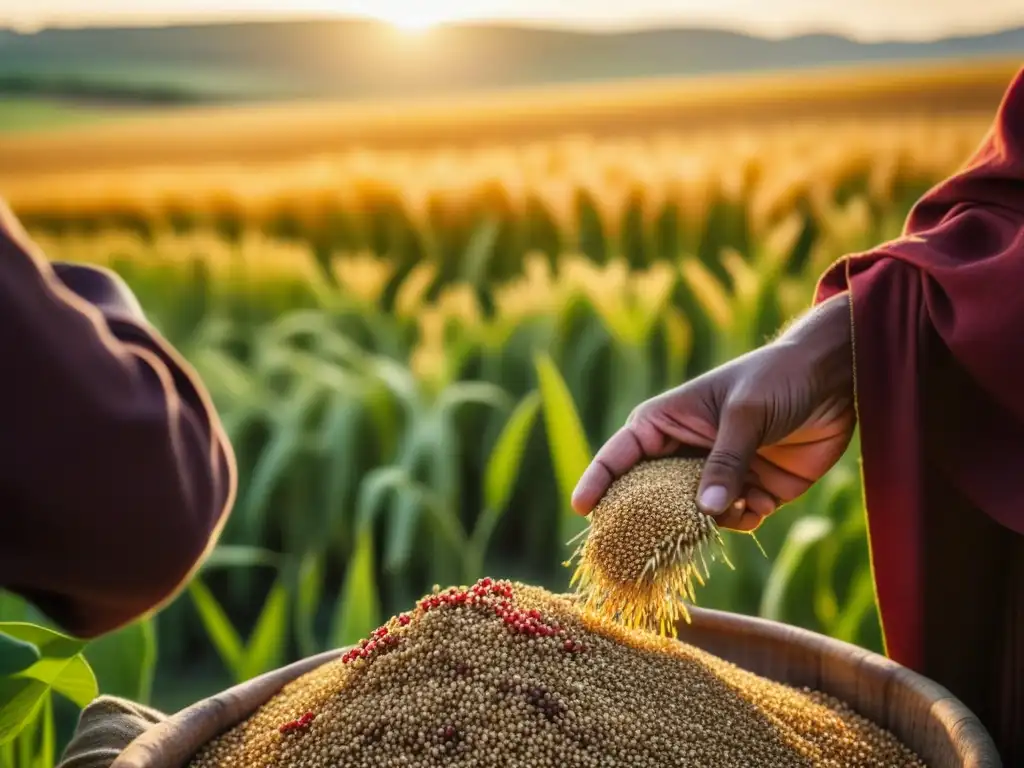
x=415, y=16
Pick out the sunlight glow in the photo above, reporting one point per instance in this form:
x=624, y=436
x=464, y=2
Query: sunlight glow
x=420, y=15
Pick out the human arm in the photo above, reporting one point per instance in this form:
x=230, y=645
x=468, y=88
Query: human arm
x=774, y=421
x=115, y=473
x=939, y=351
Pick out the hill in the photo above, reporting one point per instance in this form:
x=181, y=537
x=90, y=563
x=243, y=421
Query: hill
x=356, y=59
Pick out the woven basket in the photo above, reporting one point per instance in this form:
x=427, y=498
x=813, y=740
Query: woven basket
x=921, y=713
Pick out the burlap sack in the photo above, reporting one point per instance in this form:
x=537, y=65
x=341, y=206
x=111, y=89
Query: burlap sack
x=105, y=728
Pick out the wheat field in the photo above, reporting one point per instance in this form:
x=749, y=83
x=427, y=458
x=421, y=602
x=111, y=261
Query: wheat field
x=419, y=322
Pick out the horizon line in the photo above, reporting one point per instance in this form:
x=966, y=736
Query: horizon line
x=165, y=20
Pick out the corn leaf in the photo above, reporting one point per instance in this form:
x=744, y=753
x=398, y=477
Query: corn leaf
x=309, y=592
x=387, y=479
x=403, y=522
x=501, y=474
x=709, y=292
x=570, y=451
x=469, y=392
x=344, y=444
x=240, y=556
x=503, y=466
x=859, y=606
x=480, y=250
x=358, y=610
x=218, y=627
x=803, y=534
x=265, y=650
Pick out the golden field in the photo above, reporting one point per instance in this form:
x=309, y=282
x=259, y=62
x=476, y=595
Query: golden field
x=420, y=320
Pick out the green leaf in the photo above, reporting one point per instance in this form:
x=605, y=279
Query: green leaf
x=503, y=465
x=343, y=437
x=403, y=523
x=286, y=445
x=48, y=747
x=218, y=626
x=502, y=471
x=383, y=480
x=73, y=678
x=309, y=592
x=125, y=661
x=358, y=611
x=480, y=250
x=709, y=293
x=466, y=392
x=266, y=644
x=570, y=450
x=860, y=604
x=16, y=655
x=374, y=489
x=271, y=466
x=240, y=556
x=803, y=535
x=60, y=667
x=51, y=644
x=20, y=700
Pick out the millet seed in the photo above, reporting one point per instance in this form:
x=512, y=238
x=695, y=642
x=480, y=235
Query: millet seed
x=645, y=545
x=506, y=675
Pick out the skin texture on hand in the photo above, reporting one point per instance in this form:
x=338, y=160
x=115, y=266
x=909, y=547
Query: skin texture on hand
x=775, y=420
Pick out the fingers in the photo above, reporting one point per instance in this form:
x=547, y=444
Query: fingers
x=632, y=443
x=739, y=519
x=726, y=467
x=748, y=511
x=761, y=502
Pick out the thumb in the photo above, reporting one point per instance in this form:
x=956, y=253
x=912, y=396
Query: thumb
x=725, y=469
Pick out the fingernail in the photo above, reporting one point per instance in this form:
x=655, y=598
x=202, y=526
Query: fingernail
x=713, y=499
x=576, y=501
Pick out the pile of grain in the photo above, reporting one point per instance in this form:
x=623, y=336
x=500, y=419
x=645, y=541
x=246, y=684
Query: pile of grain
x=503, y=674
x=645, y=545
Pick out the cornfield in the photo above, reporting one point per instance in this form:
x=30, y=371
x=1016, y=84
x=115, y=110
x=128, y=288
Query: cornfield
x=416, y=353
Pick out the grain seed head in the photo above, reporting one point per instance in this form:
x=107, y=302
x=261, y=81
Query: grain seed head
x=645, y=546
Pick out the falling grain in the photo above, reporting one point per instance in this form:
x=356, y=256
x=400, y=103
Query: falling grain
x=646, y=545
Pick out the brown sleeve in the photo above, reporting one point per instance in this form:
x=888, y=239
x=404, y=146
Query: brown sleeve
x=115, y=473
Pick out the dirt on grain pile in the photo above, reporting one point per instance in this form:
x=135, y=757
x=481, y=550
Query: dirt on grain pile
x=506, y=675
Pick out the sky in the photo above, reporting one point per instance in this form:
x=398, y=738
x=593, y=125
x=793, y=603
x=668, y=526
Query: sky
x=863, y=19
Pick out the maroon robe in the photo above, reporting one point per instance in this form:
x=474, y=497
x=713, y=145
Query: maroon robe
x=938, y=324
x=115, y=474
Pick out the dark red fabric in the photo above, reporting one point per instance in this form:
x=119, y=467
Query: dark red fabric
x=938, y=318
x=115, y=474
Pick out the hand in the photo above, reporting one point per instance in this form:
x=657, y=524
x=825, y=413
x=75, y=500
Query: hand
x=775, y=420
